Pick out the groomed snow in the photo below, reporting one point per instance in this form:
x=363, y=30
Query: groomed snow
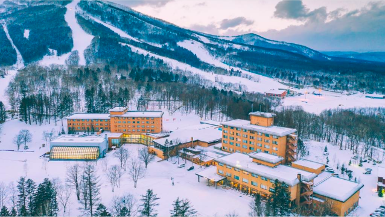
x=19, y=62
x=81, y=39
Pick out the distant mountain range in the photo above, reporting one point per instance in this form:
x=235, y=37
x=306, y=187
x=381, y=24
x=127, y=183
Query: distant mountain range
x=118, y=33
x=370, y=56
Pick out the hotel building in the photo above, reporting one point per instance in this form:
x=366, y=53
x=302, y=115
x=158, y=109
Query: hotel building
x=259, y=135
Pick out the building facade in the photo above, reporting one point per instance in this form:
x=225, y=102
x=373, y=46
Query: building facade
x=119, y=120
x=259, y=135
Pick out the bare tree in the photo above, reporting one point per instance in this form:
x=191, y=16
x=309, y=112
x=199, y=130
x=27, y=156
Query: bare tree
x=12, y=194
x=18, y=141
x=90, y=189
x=114, y=174
x=63, y=195
x=26, y=137
x=122, y=155
x=104, y=164
x=124, y=205
x=73, y=178
x=145, y=156
x=136, y=171
x=3, y=194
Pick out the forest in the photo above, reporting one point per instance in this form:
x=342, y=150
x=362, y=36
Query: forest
x=48, y=30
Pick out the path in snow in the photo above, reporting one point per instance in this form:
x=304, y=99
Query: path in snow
x=81, y=39
x=19, y=63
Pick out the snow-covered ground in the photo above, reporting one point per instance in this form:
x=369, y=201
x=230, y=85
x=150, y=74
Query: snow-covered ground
x=207, y=200
x=369, y=199
x=4, y=85
x=19, y=62
x=330, y=100
x=81, y=39
x=26, y=33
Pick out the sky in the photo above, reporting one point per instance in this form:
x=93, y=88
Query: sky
x=325, y=25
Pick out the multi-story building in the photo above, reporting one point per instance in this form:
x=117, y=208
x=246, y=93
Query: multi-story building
x=119, y=120
x=257, y=172
x=259, y=135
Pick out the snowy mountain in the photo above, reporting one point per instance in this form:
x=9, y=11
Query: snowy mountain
x=100, y=32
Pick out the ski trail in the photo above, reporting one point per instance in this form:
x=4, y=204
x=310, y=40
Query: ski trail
x=81, y=39
x=19, y=62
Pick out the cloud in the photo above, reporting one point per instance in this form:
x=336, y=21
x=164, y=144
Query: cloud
x=296, y=10
x=209, y=29
x=230, y=23
x=358, y=30
x=135, y=3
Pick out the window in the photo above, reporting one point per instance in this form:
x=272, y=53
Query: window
x=251, y=148
x=251, y=143
x=264, y=187
x=259, y=144
x=272, y=180
x=244, y=146
x=244, y=136
x=263, y=178
x=236, y=169
x=220, y=171
x=267, y=152
x=267, y=135
x=245, y=180
x=225, y=126
x=271, y=190
x=224, y=131
x=237, y=144
x=254, y=183
x=267, y=141
x=220, y=164
x=232, y=138
x=244, y=141
x=259, y=139
x=236, y=177
x=228, y=174
x=252, y=137
x=275, y=142
x=231, y=143
x=224, y=141
x=224, y=136
x=275, y=148
x=259, y=150
x=244, y=130
x=228, y=167
x=259, y=134
x=267, y=146
x=275, y=137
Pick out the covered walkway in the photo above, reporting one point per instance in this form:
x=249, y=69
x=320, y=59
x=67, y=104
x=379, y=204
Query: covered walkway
x=211, y=175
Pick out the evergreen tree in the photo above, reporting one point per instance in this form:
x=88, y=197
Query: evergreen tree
x=124, y=212
x=380, y=193
x=279, y=201
x=256, y=206
x=147, y=208
x=4, y=211
x=22, y=197
x=13, y=212
x=30, y=189
x=45, y=203
x=182, y=208
x=326, y=149
x=102, y=211
x=3, y=113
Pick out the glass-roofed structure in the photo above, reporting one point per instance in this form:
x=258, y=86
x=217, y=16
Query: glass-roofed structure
x=78, y=147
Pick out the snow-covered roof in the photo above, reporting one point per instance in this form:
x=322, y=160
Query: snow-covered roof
x=141, y=114
x=381, y=172
x=273, y=130
x=266, y=157
x=283, y=173
x=337, y=188
x=201, y=132
x=89, y=116
x=79, y=139
x=210, y=173
x=118, y=109
x=111, y=135
x=210, y=122
x=322, y=177
x=276, y=91
x=263, y=114
x=308, y=164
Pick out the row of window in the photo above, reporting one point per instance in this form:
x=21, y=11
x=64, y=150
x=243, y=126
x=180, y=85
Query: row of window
x=134, y=122
x=132, y=118
x=247, y=150
x=253, y=183
x=251, y=142
x=78, y=124
x=244, y=130
x=93, y=120
x=133, y=126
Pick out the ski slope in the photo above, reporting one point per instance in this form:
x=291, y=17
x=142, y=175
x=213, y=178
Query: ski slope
x=19, y=63
x=81, y=39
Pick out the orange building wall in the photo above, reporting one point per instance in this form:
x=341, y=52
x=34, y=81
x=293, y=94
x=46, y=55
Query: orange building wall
x=83, y=125
x=316, y=171
x=228, y=132
x=342, y=208
x=253, y=189
x=261, y=121
x=131, y=125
